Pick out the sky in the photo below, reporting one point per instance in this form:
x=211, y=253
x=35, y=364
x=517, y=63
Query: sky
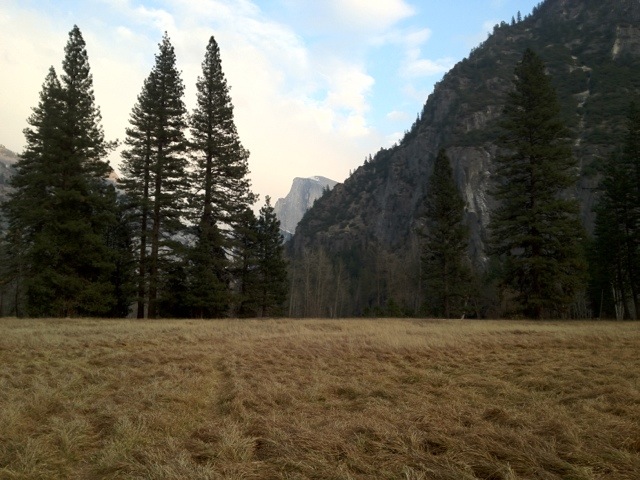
x=317, y=85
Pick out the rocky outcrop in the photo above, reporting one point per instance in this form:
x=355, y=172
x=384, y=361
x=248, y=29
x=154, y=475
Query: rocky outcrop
x=7, y=161
x=304, y=192
x=592, y=51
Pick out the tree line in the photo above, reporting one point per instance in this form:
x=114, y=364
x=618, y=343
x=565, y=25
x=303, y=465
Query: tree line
x=542, y=263
x=175, y=236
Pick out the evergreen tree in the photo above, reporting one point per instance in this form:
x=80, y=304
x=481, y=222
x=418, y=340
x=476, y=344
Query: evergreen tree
x=245, y=269
x=12, y=272
x=208, y=289
x=137, y=167
x=273, y=285
x=155, y=174
x=617, y=227
x=536, y=228
x=28, y=207
x=446, y=271
x=63, y=207
x=223, y=188
x=119, y=241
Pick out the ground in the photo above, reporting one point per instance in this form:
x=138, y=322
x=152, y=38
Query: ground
x=319, y=399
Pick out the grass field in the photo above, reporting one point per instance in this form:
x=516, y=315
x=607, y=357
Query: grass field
x=319, y=399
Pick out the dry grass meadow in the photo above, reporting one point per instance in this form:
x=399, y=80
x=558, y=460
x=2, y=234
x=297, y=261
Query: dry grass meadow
x=319, y=399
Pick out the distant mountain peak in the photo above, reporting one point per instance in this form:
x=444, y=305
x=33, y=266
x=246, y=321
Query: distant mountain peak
x=304, y=192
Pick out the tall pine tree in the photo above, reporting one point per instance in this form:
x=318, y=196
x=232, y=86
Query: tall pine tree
x=536, y=228
x=223, y=189
x=27, y=209
x=445, y=264
x=617, y=229
x=155, y=177
x=63, y=207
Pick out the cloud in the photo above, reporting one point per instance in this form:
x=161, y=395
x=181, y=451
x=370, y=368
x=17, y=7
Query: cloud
x=298, y=110
x=374, y=15
x=348, y=87
x=411, y=43
x=159, y=18
x=29, y=44
x=348, y=18
x=424, y=67
x=301, y=108
x=398, y=116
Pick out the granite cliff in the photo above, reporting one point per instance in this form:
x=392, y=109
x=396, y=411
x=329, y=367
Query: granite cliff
x=304, y=192
x=8, y=160
x=592, y=51
x=369, y=223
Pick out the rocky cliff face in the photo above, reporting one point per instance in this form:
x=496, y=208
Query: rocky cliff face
x=304, y=192
x=7, y=169
x=592, y=51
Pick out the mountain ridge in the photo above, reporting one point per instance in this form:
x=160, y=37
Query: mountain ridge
x=592, y=51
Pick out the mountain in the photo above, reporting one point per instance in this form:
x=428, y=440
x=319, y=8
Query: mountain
x=304, y=192
x=368, y=223
x=7, y=169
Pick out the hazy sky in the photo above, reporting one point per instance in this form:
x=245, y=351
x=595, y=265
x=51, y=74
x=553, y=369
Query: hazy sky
x=317, y=85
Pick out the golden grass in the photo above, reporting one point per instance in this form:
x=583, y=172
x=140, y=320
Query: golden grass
x=319, y=399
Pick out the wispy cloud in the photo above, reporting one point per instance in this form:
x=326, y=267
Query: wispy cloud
x=372, y=15
x=398, y=116
x=302, y=92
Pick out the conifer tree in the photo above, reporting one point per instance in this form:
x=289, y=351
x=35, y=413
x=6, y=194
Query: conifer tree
x=119, y=241
x=446, y=270
x=26, y=209
x=223, y=189
x=245, y=268
x=209, y=281
x=62, y=206
x=273, y=285
x=536, y=228
x=617, y=227
x=155, y=174
x=221, y=169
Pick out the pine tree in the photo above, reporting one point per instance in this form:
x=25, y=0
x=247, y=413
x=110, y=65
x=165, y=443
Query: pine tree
x=245, y=269
x=273, y=285
x=27, y=209
x=208, y=291
x=617, y=227
x=119, y=241
x=155, y=174
x=221, y=169
x=536, y=228
x=445, y=264
x=62, y=207
x=221, y=177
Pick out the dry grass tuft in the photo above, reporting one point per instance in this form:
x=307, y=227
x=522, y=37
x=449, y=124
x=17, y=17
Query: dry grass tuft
x=319, y=399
